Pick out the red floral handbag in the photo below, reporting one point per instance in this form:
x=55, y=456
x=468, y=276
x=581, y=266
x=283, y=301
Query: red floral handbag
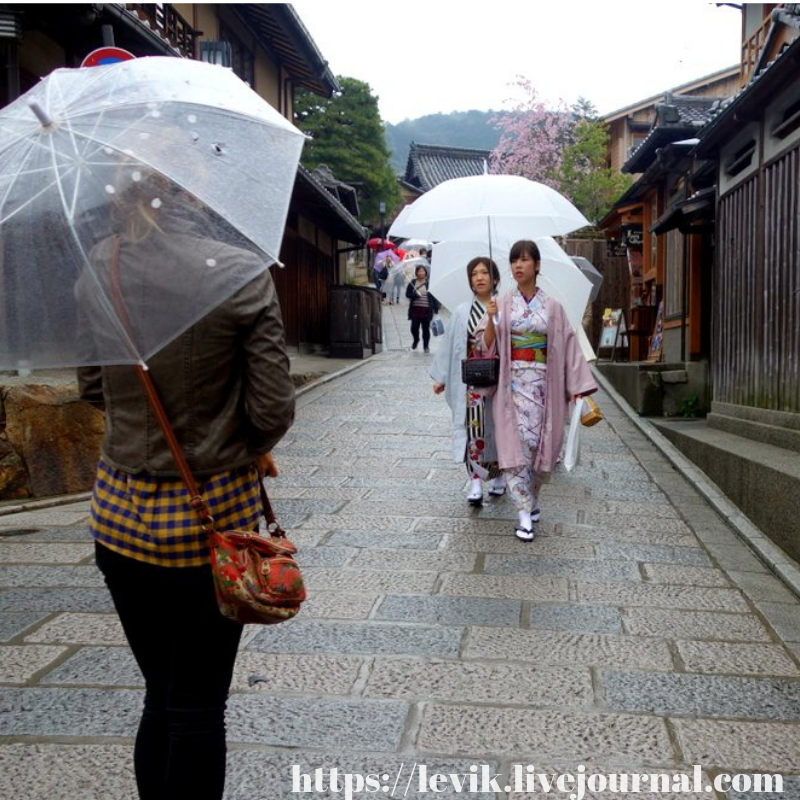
x=255, y=577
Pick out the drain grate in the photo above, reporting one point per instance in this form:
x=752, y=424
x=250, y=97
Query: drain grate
x=18, y=531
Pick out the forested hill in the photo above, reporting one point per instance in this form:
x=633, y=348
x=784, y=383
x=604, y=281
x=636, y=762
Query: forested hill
x=459, y=129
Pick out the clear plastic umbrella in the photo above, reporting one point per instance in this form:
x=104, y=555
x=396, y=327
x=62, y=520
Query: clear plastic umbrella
x=178, y=160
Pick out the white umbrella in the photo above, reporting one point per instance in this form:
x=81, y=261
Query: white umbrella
x=559, y=277
x=500, y=207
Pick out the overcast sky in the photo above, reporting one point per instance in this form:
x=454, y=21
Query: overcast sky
x=444, y=55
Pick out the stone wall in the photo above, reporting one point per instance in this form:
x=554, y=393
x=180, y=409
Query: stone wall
x=49, y=441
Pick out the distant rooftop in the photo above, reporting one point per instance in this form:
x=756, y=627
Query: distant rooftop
x=431, y=164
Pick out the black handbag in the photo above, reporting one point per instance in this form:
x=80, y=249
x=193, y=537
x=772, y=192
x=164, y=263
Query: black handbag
x=480, y=372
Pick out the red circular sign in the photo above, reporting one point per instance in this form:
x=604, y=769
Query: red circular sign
x=106, y=55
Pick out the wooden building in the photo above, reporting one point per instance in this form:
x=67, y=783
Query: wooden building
x=266, y=45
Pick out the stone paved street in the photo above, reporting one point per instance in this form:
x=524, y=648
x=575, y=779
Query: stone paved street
x=638, y=632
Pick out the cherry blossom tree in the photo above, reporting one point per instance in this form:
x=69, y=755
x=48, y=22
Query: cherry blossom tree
x=533, y=137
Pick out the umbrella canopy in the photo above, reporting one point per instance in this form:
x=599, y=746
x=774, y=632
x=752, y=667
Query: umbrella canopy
x=503, y=208
x=156, y=152
x=385, y=258
x=416, y=244
x=377, y=243
x=592, y=273
x=559, y=276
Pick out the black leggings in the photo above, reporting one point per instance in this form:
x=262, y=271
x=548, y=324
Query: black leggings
x=186, y=651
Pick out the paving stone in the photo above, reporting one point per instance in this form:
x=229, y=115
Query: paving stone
x=339, y=605
x=784, y=618
x=72, y=514
x=762, y=587
x=287, y=507
x=710, y=625
x=258, y=775
x=70, y=712
x=579, y=617
x=423, y=560
x=351, y=523
x=506, y=587
x=78, y=534
x=300, y=636
x=583, y=569
x=450, y=610
x=578, y=735
x=681, y=574
x=12, y=625
x=363, y=580
x=663, y=596
x=324, y=556
x=373, y=725
x=18, y=663
x=41, y=553
x=492, y=543
x=60, y=599
x=690, y=556
x=460, y=681
x=308, y=481
x=67, y=772
x=613, y=533
x=750, y=746
x=737, y=659
x=545, y=647
x=647, y=523
x=72, y=628
x=616, y=492
x=737, y=557
x=45, y=576
x=295, y=674
x=702, y=695
x=384, y=539
x=102, y=666
x=662, y=510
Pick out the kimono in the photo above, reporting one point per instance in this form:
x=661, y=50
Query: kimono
x=566, y=373
x=463, y=403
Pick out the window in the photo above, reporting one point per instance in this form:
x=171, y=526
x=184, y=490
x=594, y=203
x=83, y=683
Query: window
x=673, y=274
x=242, y=59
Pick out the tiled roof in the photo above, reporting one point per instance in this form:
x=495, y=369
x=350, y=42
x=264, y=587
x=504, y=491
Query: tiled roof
x=431, y=164
x=311, y=198
x=678, y=117
x=775, y=76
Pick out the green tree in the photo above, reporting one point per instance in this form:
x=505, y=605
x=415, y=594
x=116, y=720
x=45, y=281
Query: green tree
x=584, y=175
x=347, y=135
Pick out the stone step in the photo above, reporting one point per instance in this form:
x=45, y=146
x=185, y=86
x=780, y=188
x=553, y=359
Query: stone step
x=761, y=479
x=776, y=435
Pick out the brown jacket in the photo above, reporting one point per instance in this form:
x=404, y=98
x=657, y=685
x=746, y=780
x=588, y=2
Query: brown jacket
x=224, y=383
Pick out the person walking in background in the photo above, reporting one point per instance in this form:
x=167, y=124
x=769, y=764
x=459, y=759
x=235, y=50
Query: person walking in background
x=227, y=391
x=542, y=369
x=421, y=309
x=471, y=407
x=395, y=283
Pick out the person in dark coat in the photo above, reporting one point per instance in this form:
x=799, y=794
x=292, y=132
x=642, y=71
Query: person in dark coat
x=421, y=309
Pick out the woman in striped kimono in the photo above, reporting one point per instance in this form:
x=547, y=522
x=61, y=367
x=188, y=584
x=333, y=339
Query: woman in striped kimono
x=473, y=439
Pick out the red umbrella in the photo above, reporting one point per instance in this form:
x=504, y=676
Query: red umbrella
x=401, y=253
x=380, y=244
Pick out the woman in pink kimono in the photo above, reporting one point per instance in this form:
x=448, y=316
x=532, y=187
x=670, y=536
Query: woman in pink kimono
x=542, y=369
